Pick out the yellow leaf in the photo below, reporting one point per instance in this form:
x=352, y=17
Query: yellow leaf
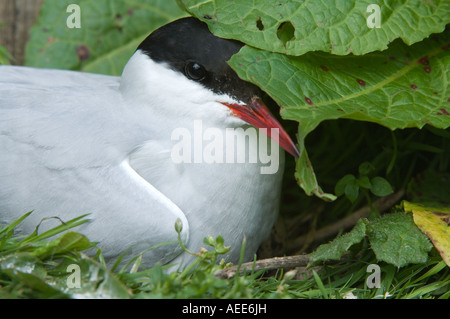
x=433, y=222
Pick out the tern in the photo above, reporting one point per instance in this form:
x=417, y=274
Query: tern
x=74, y=143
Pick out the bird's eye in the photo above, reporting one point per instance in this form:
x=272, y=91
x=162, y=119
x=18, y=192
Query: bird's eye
x=195, y=71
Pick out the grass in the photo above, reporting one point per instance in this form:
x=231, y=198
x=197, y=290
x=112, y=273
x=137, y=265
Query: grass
x=35, y=267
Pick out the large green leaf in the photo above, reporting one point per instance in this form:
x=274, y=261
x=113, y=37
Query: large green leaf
x=396, y=239
x=398, y=88
x=336, y=26
x=404, y=86
x=110, y=32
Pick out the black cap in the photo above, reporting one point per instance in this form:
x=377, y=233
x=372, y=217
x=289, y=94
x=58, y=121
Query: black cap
x=187, y=45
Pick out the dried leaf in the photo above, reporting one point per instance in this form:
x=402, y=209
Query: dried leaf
x=433, y=222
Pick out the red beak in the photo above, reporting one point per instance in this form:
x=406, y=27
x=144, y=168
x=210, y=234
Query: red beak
x=258, y=115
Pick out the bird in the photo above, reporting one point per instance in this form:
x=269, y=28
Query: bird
x=76, y=143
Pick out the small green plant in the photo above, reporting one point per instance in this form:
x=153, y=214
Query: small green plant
x=350, y=185
x=206, y=258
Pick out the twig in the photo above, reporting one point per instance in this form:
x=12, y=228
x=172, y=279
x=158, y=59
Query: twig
x=268, y=264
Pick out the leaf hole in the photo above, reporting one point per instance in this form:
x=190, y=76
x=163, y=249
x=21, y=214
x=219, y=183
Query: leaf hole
x=259, y=24
x=286, y=32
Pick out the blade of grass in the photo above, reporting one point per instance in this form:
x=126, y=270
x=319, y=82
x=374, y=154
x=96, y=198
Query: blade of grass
x=320, y=285
x=433, y=271
x=54, y=231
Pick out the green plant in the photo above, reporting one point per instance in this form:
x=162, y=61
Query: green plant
x=350, y=185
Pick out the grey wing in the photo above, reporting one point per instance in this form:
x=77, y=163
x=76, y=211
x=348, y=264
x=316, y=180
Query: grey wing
x=126, y=212
x=57, y=161
x=134, y=215
x=39, y=78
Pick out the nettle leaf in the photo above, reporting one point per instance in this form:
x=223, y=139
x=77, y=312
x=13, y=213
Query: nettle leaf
x=340, y=245
x=397, y=88
x=110, y=33
x=395, y=239
x=339, y=27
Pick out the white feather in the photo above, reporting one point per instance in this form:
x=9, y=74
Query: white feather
x=74, y=143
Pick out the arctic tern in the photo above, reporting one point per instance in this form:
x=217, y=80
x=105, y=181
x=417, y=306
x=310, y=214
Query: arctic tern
x=74, y=143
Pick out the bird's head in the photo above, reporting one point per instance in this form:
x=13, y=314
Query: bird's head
x=182, y=69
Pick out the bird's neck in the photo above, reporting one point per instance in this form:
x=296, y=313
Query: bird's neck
x=164, y=100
